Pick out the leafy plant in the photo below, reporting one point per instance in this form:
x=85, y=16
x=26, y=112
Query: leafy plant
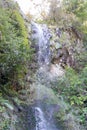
x=14, y=47
x=73, y=88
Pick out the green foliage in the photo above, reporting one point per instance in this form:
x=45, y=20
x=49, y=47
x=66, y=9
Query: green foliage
x=73, y=88
x=22, y=32
x=4, y=122
x=4, y=125
x=14, y=47
x=79, y=9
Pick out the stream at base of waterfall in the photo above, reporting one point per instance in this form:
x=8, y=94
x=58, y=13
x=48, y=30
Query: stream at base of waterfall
x=41, y=122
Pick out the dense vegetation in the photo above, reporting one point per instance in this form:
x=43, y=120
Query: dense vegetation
x=14, y=47
x=73, y=87
x=15, y=55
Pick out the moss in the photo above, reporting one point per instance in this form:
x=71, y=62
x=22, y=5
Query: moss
x=21, y=24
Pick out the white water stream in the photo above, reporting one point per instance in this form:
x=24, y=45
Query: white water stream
x=41, y=37
x=40, y=120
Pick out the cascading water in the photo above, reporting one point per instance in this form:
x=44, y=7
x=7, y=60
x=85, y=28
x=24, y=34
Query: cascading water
x=41, y=35
x=41, y=38
x=40, y=120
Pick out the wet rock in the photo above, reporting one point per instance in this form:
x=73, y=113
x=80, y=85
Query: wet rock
x=58, y=32
x=31, y=118
x=23, y=98
x=22, y=92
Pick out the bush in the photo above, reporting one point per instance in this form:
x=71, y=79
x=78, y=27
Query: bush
x=73, y=88
x=14, y=47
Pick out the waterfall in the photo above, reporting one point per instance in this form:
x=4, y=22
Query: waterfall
x=41, y=38
x=40, y=120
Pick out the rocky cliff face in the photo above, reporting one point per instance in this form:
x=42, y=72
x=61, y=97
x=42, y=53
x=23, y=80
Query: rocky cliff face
x=65, y=45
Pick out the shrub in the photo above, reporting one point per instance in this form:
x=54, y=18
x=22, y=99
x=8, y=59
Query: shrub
x=14, y=47
x=73, y=88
